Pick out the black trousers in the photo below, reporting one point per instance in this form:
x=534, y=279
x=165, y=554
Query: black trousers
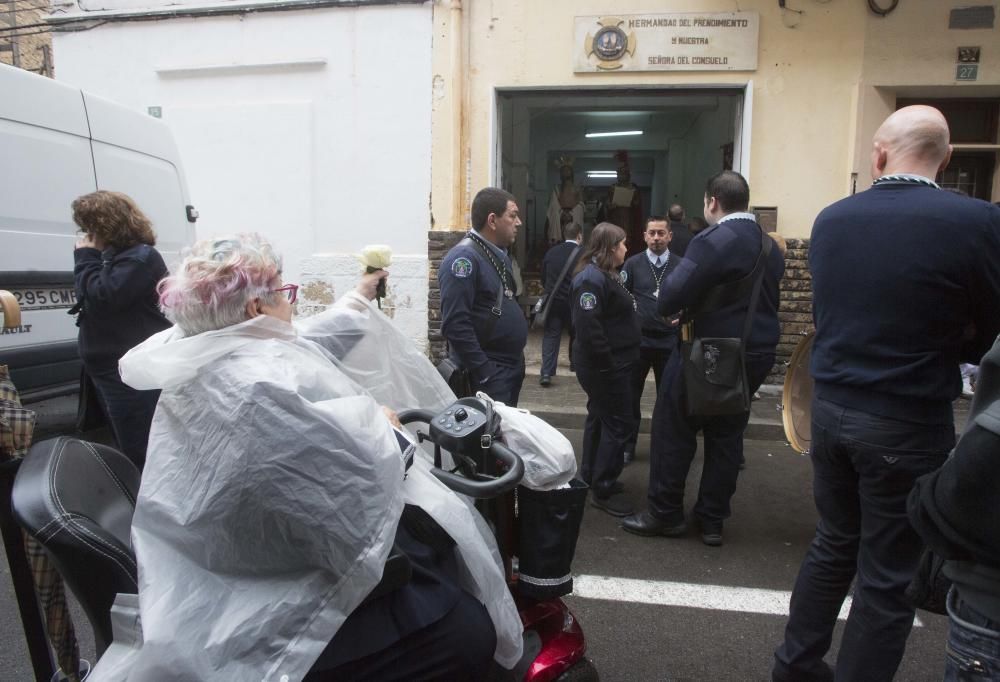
x=674, y=443
x=649, y=359
x=504, y=385
x=129, y=411
x=557, y=321
x=609, y=427
x=460, y=646
x=864, y=467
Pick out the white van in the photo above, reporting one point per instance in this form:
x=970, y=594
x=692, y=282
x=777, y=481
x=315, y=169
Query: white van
x=56, y=143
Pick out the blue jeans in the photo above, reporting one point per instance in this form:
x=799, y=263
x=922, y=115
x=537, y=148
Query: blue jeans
x=864, y=467
x=973, y=651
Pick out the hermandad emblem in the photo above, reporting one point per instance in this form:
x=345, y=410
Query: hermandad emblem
x=712, y=354
x=610, y=44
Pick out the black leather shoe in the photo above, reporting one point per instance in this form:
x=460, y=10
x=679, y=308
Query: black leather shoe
x=614, y=504
x=711, y=534
x=545, y=380
x=648, y=525
x=617, y=487
x=629, y=457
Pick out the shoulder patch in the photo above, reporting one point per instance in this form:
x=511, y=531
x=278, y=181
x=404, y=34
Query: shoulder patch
x=461, y=267
x=588, y=301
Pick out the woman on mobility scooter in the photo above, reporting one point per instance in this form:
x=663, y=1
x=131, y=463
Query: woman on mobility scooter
x=274, y=489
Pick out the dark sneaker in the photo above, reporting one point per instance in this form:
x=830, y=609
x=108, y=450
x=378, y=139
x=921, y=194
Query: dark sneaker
x=614, y=504
x=545, y=380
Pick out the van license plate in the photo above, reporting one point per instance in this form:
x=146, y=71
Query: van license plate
x=45, y=298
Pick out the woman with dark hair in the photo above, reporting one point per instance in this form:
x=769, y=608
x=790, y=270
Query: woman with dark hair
x=116, y=273
x=605, y=348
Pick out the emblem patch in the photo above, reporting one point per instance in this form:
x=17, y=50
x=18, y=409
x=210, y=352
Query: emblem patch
x=712, y=354
x=588, y=301
x=623, y=276
x=461, y=267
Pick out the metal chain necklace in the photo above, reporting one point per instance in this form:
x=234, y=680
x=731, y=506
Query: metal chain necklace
x=658, y=279
x=635, y=306
x=499, y=267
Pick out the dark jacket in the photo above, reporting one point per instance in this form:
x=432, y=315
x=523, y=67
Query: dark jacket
x=727, y=252
x=956, y=509
x=681, y=237
x=469, y=286
x=118, y=303
x=552, y=264
x=605, y=320
x=641, y=279
x=900, y=274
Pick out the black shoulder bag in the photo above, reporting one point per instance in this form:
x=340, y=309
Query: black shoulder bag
x=545, y=304
x=715, y=376
x=458, y=378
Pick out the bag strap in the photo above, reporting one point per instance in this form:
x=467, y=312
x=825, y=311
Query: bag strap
x=758, y=273
x=497, y=310
x=562, y=276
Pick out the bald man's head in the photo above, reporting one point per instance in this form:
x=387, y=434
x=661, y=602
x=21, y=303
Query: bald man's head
x=912, y=140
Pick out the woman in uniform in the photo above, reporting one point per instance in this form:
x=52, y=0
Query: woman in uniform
x=605, y=348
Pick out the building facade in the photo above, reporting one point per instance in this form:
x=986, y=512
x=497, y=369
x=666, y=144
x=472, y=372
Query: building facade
x=329, y=124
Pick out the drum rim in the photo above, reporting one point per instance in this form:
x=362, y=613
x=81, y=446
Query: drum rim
x=804, y=348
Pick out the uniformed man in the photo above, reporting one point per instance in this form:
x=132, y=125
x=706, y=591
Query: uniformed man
x=643, y=273
x=485, y=327
x=724, y=253
x=559, y=260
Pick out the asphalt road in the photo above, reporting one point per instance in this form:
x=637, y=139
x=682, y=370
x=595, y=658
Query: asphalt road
x=764, y=542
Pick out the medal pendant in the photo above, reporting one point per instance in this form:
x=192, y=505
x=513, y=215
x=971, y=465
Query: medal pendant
x=508, y=293
x=656, y=293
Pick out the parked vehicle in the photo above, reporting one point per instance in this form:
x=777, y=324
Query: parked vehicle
x=57, y=143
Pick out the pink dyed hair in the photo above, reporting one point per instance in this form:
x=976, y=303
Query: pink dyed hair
x=216, y=280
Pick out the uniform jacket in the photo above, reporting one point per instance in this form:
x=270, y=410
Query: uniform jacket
x=726, y=252
x=119, y=304
x=469, y=285
x=637, y=274
x=605, y=319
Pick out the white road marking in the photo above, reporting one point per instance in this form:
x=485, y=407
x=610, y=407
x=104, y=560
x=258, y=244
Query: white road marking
x=691, y=595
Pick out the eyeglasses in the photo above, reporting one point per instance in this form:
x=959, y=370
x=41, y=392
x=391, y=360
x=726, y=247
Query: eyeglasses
x=291, y=292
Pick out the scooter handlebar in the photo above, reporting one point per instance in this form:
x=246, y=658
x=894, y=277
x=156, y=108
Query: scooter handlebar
x=485, y=487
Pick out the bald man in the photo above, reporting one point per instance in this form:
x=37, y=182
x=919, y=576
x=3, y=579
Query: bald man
x=906, y=285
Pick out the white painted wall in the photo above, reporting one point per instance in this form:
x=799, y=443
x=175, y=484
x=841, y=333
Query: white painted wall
x=311, y=127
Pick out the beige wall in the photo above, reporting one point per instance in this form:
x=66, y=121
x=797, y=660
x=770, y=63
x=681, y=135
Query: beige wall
x=825, y=80
x=31, y=43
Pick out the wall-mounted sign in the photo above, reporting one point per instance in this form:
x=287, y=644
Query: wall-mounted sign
x=968, y=55
x=967, y=72
x=676, y=41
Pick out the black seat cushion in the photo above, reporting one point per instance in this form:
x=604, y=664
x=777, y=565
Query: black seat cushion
x=77, y=498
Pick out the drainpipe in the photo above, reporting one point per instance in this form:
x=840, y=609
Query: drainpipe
x=458, y=116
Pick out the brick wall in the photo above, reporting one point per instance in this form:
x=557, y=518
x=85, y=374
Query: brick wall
x=33, y=45
x=795, y=309
x=438, y=245
x=794, y=312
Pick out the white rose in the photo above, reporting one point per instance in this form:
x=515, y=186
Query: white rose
x=376, y=256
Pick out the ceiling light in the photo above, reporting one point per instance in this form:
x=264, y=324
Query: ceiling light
x=602, y=174
x=615, y=133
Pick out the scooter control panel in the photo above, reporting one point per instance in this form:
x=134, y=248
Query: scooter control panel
x=460, y=425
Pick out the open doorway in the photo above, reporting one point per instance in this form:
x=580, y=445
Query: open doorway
x=617, y=155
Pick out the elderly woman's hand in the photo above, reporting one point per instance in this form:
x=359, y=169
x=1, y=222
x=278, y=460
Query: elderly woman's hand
x=369, y=283
x=88, y=241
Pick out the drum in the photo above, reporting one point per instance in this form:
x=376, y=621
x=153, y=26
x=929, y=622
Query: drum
x=796, y=397
x=11, y=311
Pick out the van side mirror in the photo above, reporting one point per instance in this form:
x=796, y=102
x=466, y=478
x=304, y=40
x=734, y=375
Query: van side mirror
x=10, y=309
x=192, y=213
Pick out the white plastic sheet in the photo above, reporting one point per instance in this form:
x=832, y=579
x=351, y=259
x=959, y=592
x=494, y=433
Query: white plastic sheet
x=271, y=494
